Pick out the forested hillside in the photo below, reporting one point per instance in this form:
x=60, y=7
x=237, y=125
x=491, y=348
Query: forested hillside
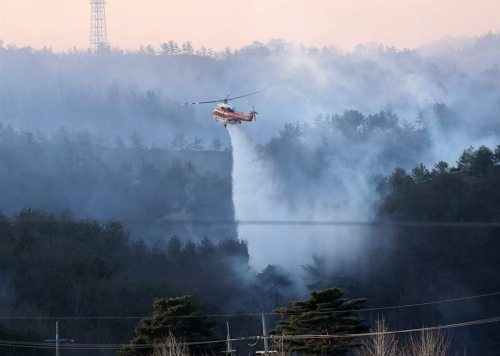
x=113, y=194
x=57, y=265
x=141, y=186
x=103, y=271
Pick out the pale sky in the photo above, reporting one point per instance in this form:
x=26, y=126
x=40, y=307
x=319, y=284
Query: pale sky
x=220, y=23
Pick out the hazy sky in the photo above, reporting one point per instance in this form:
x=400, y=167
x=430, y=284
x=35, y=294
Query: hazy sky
x=221, y=23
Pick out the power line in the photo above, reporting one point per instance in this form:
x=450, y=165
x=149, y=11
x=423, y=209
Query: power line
x=256, y=314
x=10, y=343
x=183, y=222
x=368, y=223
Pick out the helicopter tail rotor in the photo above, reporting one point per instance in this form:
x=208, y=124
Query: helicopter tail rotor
x=254, y=113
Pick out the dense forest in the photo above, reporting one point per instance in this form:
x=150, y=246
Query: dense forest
x=109, y=188
x=144, y=187
x=62, y=265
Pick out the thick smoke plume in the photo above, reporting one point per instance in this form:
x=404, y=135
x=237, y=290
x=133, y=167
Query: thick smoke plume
x=258, y=195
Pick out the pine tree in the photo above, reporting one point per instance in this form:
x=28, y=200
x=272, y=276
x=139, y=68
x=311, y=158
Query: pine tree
x=166, y=320
x=464, y=163
x=441, y=168
x=482, y=161
x=420, y=173
x=319, y=315
x=497, y=154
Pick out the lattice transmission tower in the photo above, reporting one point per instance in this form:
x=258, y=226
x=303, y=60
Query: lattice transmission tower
x=98, y=32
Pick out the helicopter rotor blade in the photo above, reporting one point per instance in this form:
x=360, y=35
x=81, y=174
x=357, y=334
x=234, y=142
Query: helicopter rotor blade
x=204, y=102
x=242, y=96
x=225, y=100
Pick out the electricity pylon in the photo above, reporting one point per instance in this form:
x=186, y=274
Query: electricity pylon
x=98, y=32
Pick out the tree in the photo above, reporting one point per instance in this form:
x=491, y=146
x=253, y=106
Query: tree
x=148, y=50
x=420, y=173
x=174, y=248
x=137, y=140
x=482, y=160
x=206, y=247
x=179, y=142
x=216, y=144
x=440, y=168
x=379, y=344
x=168, y=319
x=187, y=48
x=196, y=144
x=271, y=279
x=170, y=48
x=119, y=142
x=497, y=154
x=170, y=346
x=429, y=342
x=400, y=179
x=465, y=161
x=319, y=315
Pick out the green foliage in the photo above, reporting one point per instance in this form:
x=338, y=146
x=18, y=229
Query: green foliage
x=441, y=168
x=319, y=315
x=420, y=173
x=483, y=161
x=445, y=194
x=478, y=162
x=167, y=320
x=58, y=265
x=27, y=335
x=497, y=154
x=465, y=162
x=400, y=180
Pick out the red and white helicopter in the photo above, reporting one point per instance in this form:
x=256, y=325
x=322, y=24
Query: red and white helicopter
x=226, y=114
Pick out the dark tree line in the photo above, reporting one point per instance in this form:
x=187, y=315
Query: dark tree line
x=59, y=266
x=94, y=267
x=425, y=263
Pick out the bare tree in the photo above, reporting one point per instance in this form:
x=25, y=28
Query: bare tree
x=380, y=343
x=170, y=346
x=429, y=343
x=283, y=349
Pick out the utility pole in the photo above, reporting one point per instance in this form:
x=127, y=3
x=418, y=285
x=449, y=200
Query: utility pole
x=57, y=340
x=264, y=334
x=229, y=350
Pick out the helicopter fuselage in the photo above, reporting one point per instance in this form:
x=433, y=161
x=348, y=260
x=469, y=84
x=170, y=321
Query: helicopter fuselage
x=226, y=114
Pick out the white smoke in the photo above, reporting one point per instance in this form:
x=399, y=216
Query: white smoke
x=257, y=196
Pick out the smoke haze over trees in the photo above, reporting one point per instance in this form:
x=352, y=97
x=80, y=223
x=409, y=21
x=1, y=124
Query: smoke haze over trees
x=376, y=133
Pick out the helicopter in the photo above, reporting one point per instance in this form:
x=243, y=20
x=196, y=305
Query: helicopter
x=225, y=112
